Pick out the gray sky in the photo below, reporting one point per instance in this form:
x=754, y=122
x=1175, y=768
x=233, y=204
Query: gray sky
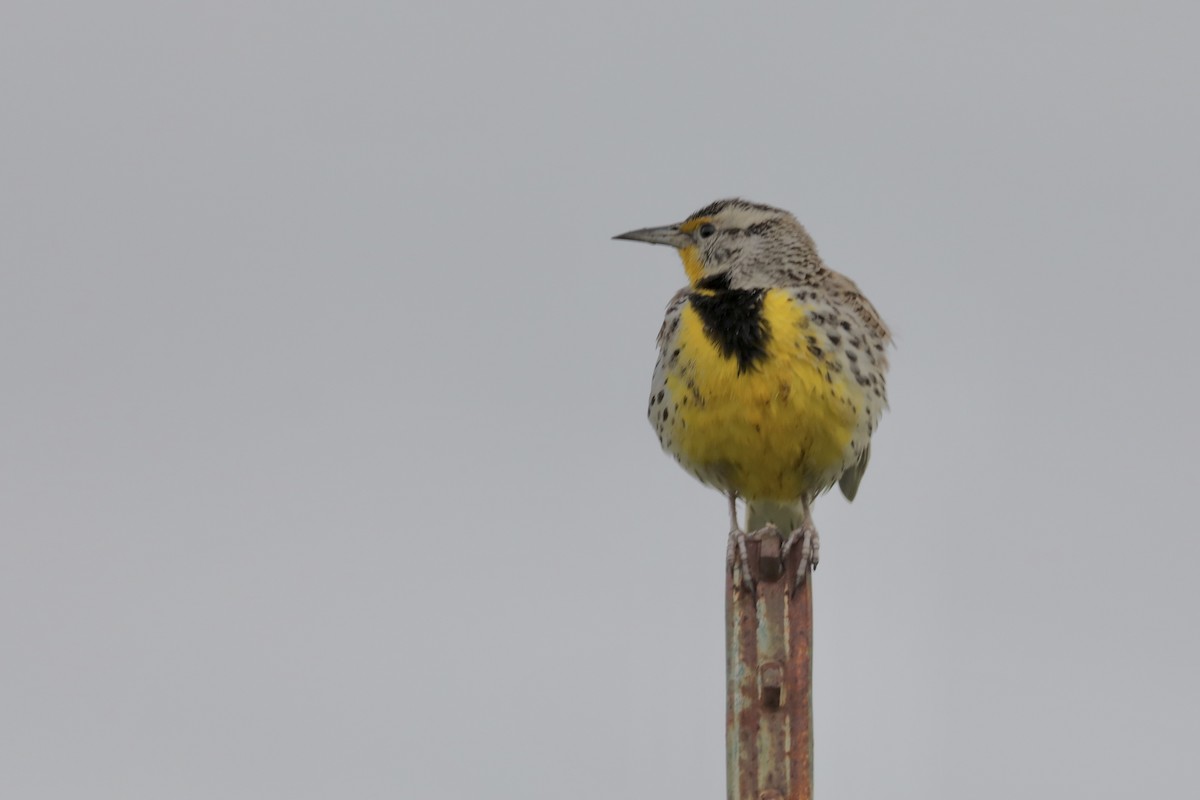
x=324, y=469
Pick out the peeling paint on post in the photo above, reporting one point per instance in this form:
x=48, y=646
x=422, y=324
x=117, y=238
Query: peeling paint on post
x=768, y=637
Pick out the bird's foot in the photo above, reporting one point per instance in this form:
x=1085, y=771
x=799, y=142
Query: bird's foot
x=738, y=559
x=805, y=537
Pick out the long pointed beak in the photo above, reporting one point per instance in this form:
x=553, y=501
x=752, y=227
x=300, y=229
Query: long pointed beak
x=667, y=234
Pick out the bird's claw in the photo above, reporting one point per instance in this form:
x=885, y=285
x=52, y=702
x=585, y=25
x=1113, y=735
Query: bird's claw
x=737, y=556
x=805, y=537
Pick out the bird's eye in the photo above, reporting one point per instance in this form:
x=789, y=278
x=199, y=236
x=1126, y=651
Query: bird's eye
x=707, y=230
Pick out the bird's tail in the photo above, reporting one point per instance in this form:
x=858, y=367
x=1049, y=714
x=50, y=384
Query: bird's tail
x=786, y=518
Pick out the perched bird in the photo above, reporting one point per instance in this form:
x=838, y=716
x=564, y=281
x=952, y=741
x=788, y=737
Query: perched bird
x=770, y=373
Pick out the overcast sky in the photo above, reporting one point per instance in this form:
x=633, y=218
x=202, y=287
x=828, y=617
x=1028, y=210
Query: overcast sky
x=323, y=463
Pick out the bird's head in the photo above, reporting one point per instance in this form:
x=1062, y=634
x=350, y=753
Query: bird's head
x=735, y=241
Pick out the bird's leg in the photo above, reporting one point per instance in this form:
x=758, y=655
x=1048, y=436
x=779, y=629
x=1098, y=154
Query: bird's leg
x=810, y=546
x=736, y=554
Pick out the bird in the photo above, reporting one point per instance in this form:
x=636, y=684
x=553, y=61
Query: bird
x=771, y=370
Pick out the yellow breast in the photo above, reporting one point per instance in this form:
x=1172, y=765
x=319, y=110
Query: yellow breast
x=778, y=430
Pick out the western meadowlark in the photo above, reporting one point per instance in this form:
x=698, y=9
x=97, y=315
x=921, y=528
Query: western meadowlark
x=770, y=373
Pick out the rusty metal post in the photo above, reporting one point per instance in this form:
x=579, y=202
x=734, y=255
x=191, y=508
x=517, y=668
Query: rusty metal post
x=768, y=638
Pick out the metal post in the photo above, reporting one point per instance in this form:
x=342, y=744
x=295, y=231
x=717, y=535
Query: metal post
x=768, y=638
